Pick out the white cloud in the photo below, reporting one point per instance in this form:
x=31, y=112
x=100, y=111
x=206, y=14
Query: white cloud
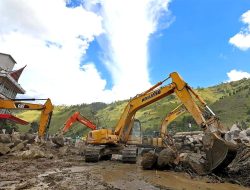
x=128, y=25
x=234, y=75
x=51, y=39
x=242, y=39
x=29, y=28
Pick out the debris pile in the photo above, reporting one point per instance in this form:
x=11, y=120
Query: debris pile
x=189, y=141
x=190, y=155
x=24, y=146
x=240, y=167
x=236, y=135
x=14, y=142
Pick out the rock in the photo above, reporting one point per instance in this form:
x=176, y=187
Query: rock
x=29, y=137
x=235, y=131
x=20, y=146
x=248, y=131
x=195, y=162
x=178, y=146
x=182, y=156
x=240, y=167
x=63, y=150
x=15, y=138
x=235, y=127
x=5, y=138
x=58, y=140
x=32, y=154
x=228, y=136
x=48, y=145
x=149, y=160
x=25, y=184
x=166, y=158
x=22, y=136
x=80, y=145
x=4, y=149
x=243, y=137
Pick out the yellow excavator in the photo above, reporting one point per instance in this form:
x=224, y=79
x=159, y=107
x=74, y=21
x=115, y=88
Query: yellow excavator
x=105, y=142
x=161, y=138
x=46, y=111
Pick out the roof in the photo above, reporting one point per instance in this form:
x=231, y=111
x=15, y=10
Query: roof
x=9, y=57
x=13, y=118
x=17, y=73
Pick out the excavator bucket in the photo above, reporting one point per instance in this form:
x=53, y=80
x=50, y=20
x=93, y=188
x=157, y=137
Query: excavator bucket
x=219, y=153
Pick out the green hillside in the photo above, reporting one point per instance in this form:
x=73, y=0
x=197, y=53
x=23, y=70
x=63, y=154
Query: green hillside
x=230, y=101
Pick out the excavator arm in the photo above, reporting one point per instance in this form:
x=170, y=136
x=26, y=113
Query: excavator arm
x=78, y=117
x=46, y=111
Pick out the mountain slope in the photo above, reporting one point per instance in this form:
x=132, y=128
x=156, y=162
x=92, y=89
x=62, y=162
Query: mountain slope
x=230, y=101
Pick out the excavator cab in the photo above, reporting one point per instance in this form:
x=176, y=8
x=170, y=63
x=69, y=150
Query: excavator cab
x=135, y=136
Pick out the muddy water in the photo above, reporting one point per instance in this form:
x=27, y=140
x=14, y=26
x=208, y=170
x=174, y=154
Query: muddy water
x=74, y=174
x=128, y=176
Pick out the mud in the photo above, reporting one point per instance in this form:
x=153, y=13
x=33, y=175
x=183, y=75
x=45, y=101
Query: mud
x=71, y=172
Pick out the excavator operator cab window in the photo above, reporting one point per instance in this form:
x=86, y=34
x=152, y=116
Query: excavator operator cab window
x=136, y=130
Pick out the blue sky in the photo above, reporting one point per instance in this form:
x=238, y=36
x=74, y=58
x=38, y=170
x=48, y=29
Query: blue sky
x=83, y=51
x=196, y=44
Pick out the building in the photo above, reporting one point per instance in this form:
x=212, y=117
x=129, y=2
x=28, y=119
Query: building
x=9, y=86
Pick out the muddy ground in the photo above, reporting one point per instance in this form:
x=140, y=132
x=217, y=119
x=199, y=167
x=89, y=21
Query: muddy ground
x=71, y=172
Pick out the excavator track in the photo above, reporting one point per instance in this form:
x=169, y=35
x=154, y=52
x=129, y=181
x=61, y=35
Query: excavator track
x=129, y=154
x=93, y=153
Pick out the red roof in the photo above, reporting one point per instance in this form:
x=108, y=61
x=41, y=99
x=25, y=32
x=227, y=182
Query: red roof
x=13, y=118
x=17, y=73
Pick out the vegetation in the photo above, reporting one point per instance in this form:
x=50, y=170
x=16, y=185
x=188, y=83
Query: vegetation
x=230, y=101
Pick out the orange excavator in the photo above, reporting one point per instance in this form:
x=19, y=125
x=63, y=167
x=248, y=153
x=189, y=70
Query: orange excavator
x=77, y=117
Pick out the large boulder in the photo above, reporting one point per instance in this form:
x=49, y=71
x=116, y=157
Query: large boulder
x=58, y=140
x=149, y=160
x=166, y=158
x=195, y=162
